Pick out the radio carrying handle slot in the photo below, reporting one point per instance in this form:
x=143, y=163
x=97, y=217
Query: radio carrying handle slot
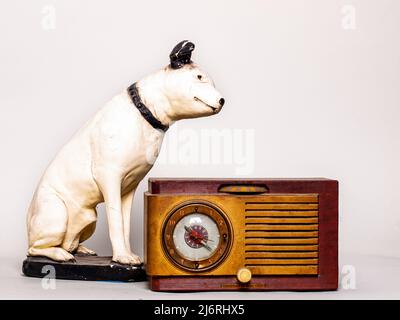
x=243, y=188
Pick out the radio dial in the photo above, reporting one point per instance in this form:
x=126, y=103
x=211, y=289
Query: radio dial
x=197, y=236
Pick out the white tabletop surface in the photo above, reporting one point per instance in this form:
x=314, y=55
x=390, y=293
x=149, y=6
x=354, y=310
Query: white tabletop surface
x=375, y=278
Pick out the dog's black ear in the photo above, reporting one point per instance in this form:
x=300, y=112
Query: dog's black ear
x=181, y=54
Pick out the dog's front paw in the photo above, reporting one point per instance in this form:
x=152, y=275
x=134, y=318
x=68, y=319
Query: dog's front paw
x=131, y=259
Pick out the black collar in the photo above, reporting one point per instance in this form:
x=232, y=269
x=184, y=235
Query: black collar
x=146, y=113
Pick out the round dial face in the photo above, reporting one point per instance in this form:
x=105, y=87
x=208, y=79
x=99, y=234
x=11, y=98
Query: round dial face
x=196, y=236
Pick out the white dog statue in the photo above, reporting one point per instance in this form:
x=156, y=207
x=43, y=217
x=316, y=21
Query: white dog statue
x=108, y=157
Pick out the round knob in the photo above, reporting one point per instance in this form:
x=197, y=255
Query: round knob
x=244, y=275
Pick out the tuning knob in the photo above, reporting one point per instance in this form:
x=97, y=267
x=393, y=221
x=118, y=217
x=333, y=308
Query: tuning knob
x=244, y=275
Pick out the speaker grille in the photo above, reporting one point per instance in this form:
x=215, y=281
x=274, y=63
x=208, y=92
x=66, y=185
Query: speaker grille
x=281, y=235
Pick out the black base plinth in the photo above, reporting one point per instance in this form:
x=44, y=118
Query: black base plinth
x=93, y=268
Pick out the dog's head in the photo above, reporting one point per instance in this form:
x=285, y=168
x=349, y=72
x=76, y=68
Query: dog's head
x=190, y=91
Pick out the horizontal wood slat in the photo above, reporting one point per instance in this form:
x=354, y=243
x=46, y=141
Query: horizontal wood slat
x=265, y=227
x=263, y=254
x=281, y=241
x=289, y=214
x=285, y=234
x=267, y=248
x=282, y=206
x=281, y=220
x=289, y=198
x=282, y=261
x=283, y=270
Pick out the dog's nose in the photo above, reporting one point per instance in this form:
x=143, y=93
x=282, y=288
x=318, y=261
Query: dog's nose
x=221, y=102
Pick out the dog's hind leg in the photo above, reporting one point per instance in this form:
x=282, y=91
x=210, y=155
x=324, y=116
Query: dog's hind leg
x=81, y=225
x=86, y=234
x=48, y=218
x=54, y=253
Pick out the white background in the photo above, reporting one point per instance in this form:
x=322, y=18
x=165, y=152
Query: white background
x=322, y=99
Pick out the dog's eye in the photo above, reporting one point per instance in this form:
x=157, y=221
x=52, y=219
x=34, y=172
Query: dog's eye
x=199, y=76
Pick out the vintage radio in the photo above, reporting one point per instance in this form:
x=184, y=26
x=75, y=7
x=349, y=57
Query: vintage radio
x=258, y=234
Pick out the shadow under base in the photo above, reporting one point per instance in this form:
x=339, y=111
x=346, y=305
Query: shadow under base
x=92, y=268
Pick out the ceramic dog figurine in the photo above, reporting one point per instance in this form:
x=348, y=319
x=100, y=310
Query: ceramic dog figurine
x=106, y=159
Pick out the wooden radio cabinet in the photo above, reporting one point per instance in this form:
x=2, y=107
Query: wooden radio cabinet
x=241, y=234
